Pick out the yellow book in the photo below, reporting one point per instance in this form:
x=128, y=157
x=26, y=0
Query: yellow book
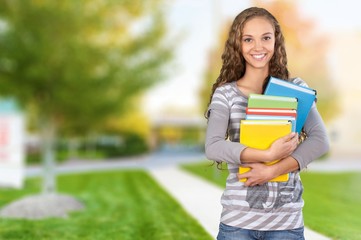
x=261, y=134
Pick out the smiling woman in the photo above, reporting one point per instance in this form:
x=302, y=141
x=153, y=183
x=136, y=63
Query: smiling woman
x=255, y=51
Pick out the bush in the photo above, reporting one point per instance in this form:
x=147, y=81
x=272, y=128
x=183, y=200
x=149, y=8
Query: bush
x=129, y=144
x=107, y=146
x=35, y=157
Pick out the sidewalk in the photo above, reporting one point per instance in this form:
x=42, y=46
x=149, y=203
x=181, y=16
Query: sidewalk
x=200, y=198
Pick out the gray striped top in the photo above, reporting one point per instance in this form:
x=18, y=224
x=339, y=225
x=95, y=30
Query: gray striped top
x=274, y=205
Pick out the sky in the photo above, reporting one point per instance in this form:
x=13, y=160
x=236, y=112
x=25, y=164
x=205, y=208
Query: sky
x=195, y=25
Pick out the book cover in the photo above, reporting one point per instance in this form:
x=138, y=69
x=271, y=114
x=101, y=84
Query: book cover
x=272, y=113
x=269, y=101
x=305, y=96
x=260, y=134
x=274, y=117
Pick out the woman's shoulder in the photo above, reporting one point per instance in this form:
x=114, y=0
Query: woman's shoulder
x=226, y=87
x=229, y=90
x=299, y=81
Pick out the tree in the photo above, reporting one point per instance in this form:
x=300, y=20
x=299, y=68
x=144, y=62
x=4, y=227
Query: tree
x=213, y=68
x=78, y=63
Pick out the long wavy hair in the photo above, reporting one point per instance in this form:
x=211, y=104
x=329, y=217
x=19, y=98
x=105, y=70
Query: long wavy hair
x=233, y=62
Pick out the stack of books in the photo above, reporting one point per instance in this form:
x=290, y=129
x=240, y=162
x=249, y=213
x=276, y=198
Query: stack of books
x=282, y=109
x=268, y=107
x=268, y=118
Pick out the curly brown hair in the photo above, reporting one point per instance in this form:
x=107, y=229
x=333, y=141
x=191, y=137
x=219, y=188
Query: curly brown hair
x=234, y=66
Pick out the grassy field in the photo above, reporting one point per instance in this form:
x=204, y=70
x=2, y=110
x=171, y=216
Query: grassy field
x=121, y=205
x=332, y=200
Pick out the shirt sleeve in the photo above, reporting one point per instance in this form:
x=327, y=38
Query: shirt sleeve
x=316, y=144
x=217, y=147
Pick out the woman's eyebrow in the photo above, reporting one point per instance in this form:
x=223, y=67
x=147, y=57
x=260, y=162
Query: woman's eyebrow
x=250, y=35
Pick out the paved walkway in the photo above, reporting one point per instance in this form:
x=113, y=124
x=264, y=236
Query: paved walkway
x=200, y=198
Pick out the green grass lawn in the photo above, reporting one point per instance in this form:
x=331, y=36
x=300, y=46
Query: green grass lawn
x=332, y=200
x=121, y=205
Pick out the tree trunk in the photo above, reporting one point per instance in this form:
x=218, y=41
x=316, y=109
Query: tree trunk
x=48, y=150
x=73, y=147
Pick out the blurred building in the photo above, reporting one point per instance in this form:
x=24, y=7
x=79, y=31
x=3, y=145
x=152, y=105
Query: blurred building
x=178, y=133
x=345, y=129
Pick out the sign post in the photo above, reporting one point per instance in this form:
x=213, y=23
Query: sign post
x=12, y=145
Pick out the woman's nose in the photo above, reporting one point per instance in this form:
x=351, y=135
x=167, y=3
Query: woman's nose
x=258, y=45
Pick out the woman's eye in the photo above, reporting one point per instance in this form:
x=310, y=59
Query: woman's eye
x=247, y=39
x=267, y=38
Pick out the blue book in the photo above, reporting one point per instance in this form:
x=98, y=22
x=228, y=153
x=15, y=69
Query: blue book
x=305, y=96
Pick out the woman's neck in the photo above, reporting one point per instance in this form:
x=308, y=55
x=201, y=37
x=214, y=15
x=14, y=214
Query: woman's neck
x=252, y=82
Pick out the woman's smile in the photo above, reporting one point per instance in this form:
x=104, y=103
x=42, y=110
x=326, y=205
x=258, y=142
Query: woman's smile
x=259, y=56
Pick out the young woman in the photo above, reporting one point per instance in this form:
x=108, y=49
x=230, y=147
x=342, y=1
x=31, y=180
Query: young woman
x=257, y=208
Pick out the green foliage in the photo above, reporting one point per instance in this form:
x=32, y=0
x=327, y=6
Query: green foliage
x=213, y=68
x=76, y=63
x=332, y=200
x=126, y=144
x=124, y=205
x=131, y=144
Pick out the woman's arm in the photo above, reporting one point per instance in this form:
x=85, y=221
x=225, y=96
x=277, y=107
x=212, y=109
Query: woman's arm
x=261, y=173
x=217, y=148
x=279, y=149
x=316, y=144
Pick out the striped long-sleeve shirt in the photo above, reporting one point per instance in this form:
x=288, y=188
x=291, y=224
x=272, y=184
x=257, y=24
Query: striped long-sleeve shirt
x=271, y=206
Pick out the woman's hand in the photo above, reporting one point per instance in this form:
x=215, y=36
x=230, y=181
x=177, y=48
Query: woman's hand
x=283, y=147
x=258, y=175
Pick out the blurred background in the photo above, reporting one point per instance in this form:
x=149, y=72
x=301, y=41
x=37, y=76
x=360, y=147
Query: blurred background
x=102, y=79
x=322, y=40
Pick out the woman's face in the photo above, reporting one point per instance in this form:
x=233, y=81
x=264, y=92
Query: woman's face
x=258, y=42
